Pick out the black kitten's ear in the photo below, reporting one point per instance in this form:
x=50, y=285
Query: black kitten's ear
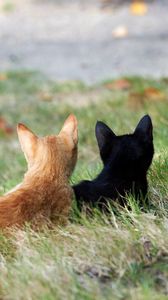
x=103, y=133
x=145, y=127
x=104, y=137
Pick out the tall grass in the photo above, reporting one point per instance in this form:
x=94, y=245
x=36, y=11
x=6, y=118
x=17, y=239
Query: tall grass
x=123, y=255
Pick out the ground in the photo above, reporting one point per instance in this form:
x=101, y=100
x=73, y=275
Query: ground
x=74, y=39
x=120, y=256
x=123, y=255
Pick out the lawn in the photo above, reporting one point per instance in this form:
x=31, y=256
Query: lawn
x=122, y=256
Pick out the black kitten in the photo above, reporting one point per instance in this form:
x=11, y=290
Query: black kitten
x=126, y=160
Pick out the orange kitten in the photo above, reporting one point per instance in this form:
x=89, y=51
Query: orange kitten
x=45, y=191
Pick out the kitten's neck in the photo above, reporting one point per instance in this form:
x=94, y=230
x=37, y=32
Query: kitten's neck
x=35, y=180
x=114, y=173
x=46, y=172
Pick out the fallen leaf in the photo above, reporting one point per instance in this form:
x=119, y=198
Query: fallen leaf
x=120, y=32
x=3, y=77
x=137, y=100
x=120, y=84
x=46, y=96
x=153, y=93
x=5, y=127
x=139, y=8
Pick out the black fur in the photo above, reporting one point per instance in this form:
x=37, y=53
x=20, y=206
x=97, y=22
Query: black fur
x=126, y=160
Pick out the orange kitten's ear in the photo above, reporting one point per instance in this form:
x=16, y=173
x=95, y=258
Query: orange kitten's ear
x=70, y=128
x=28, y=141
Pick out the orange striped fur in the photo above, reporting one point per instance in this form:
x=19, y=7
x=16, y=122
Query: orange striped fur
x=45, y=191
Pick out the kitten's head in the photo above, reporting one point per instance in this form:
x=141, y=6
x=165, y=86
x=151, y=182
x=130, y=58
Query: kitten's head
x=55, y=153
x=130, y=153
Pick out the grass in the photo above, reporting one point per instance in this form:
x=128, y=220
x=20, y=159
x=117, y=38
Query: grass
x=7, y=6
x=124, y=256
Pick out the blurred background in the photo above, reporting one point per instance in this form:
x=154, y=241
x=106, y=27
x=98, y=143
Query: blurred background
x=101, y=60
x=88, y=40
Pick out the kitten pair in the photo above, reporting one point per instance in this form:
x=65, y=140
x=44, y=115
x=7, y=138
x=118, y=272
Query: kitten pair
x=126, y=160
x=45, y=191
